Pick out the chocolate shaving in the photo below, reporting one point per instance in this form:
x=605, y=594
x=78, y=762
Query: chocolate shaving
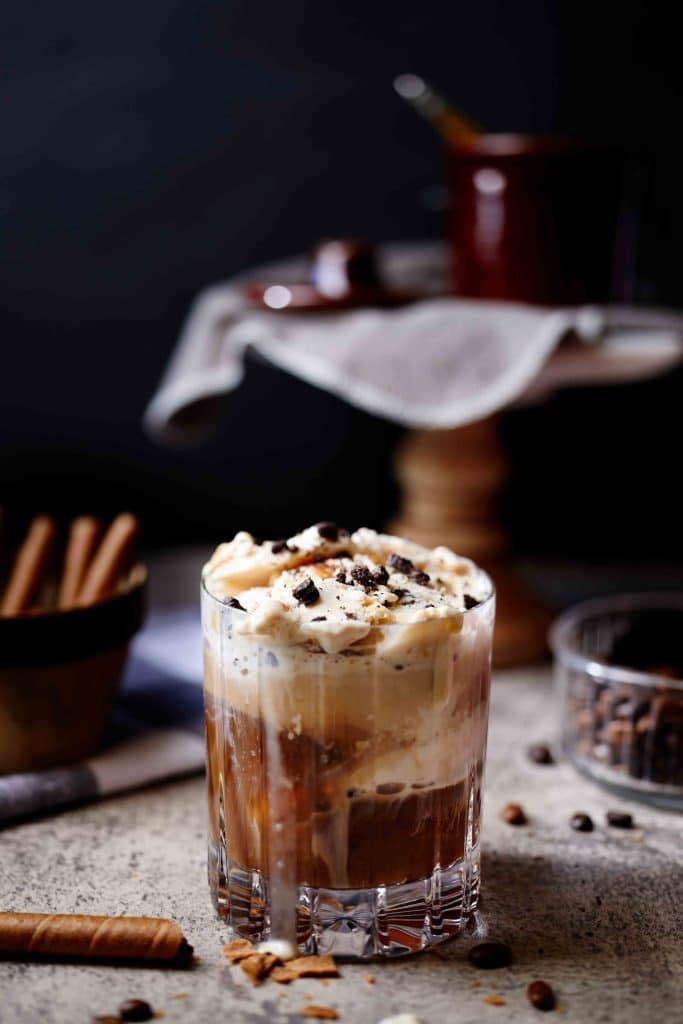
x=232, y=602
x=328, y=531
x=341, y=577
x=381, y=576
x=306, y=592
x=470, y=602
x=405, y=566
x=362, y=575
x=403, y=595
x=278, y=545
x=400, y=564
x=320, y=618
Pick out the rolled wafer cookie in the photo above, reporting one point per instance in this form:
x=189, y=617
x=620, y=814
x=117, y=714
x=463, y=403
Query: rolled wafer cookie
x=106, y=568
x=80, y=549
x=29, y=566
x=92, y=938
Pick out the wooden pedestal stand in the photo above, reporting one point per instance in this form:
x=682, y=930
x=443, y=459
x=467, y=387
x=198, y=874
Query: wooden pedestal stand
x=450, y=481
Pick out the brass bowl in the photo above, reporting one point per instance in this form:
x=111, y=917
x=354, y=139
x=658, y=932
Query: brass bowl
x=59, y=674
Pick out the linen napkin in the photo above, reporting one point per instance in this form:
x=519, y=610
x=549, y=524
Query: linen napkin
x=438, y=363
x=156, y=731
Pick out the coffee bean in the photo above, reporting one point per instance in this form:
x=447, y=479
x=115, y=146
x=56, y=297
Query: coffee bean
x=488, y=956
x=540, y=754
x=232, y=602
x=581, y=822
x=541, y=995
x=513, y=814
x=135, y=1009
x=619, y=819
x=306, y=592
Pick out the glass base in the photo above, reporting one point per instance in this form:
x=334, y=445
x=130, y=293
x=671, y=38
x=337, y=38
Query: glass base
x=358, y=924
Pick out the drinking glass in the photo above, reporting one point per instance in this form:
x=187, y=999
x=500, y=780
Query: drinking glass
x=345, y=790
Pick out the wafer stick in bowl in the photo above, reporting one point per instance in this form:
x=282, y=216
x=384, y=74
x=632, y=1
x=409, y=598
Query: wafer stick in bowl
x=29, y=567
x=79, y=936
x=110, y=559
x=83, y=537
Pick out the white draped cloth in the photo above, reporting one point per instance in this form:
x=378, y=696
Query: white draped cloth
x=438, y=363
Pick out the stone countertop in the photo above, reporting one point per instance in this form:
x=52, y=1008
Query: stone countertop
x=598, y=915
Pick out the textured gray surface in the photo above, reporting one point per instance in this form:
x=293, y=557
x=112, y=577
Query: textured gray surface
x=597, y=915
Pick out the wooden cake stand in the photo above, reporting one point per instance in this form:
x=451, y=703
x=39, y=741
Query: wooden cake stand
x=451, y=479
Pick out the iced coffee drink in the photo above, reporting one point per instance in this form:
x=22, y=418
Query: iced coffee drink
x=346, y=689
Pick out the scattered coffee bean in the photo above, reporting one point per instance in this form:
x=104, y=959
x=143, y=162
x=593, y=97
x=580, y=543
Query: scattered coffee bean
x=581, y=822
x=541, y=995
x=232, y=602
x=540, y=754
x=400, y=564
x=328, y=531
x=277, y=546
x=306, y=592
x=513, y=814
x=135, y=1009
x=488, y=956
x=619, y=819
x=470, y=602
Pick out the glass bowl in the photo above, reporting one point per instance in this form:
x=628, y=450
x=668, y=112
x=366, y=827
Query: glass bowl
x=619, y=673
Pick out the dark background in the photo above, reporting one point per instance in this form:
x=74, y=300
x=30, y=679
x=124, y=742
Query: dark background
x=151, y=148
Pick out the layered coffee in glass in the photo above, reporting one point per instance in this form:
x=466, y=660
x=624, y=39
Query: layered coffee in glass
x=346, y=689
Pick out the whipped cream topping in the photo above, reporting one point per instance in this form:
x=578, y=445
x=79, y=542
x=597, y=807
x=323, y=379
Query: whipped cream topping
x=328, y=587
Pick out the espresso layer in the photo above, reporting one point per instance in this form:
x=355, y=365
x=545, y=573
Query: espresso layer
x=339, y=835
